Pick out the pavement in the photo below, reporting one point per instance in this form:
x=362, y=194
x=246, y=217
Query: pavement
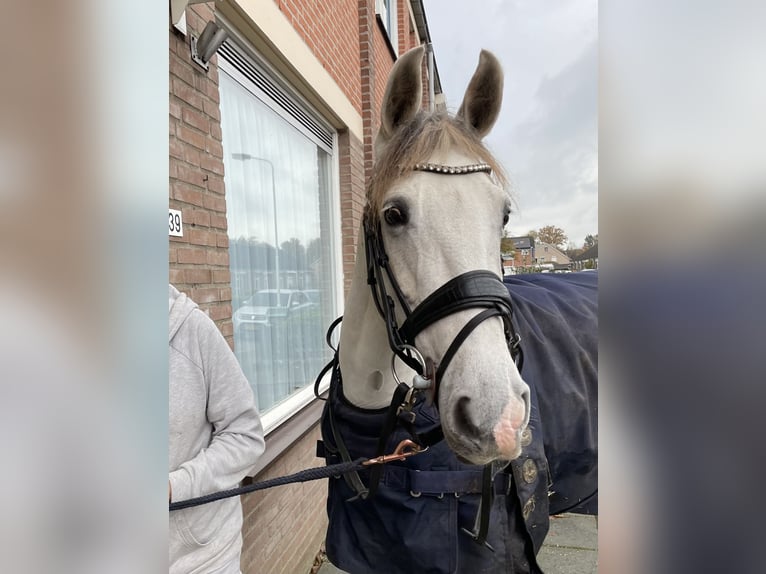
x=571, y=547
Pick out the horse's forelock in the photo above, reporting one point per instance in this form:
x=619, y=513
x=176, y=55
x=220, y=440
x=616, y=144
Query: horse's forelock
x=415, y=142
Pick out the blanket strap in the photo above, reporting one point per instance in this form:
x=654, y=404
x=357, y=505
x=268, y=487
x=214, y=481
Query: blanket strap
x=481, y=525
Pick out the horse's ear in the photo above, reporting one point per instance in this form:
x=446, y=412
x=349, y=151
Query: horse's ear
x=404, y=93
x=484, y=95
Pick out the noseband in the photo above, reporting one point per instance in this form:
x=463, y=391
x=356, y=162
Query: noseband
x=471, y=290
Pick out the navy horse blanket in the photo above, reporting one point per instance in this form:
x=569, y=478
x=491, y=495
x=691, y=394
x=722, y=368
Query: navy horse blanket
x=416, y=519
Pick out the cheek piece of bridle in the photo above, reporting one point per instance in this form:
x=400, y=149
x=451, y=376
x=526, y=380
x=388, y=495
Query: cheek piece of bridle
x=472, y=290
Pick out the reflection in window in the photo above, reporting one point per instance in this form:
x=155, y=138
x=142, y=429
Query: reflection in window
x=278, y=185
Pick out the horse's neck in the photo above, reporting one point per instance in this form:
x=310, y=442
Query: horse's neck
x=365, y=356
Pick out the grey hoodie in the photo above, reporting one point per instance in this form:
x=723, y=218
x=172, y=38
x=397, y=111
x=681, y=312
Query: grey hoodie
x=216, y=438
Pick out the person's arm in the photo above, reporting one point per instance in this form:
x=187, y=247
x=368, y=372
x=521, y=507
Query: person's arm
x=237, y=432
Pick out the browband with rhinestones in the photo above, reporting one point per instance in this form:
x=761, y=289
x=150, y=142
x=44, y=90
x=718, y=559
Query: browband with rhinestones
x=449, y=169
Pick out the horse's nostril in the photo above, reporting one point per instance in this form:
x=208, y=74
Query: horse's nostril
x=464, y=420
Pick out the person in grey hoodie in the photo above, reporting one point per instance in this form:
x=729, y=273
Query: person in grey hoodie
x=216, y=438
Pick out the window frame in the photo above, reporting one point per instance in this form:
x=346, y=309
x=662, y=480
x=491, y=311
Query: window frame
x=299, y=404
x=387, y=12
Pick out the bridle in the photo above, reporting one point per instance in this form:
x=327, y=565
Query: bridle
x=474, y=289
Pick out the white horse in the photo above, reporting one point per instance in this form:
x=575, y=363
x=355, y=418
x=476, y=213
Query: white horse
x=428, y=306
x=436, y=227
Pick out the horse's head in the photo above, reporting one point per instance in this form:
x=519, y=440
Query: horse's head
x=436, y=226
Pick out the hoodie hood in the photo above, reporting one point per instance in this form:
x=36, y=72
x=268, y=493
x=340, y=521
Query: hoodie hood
x=180, y=308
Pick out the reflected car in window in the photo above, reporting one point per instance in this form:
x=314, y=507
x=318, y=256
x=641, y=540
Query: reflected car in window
x=270, y=306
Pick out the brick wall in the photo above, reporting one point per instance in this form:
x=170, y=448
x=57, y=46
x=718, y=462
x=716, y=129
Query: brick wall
x=285, y=526
x=406, y=38
x=329, y=30
x=199, y=261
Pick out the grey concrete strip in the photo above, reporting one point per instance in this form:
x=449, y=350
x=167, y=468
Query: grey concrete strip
x=328, y=568
x=571, y=547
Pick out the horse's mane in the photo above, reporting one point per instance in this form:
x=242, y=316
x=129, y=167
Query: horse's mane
x=415, y=142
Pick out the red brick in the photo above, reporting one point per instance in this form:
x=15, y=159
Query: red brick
x=198, y=217
x=181, y=70
x=187, y=194
x=216, y=203
x=217, y=257
x=211, y=90
x=191, y=155
x=212, y=164
x=205, y=295
x=191, y=136
x=220, y=312
x=221, y=276
x=221, y=240
x=176, y=148
x=190, y=174
x=212, y=109
x=175, y=108
x=196, y=120
x=214, y=148
x=186, y=92
x=192, y=276
x=192, y=255
x=218, y=221
x=176, y=276
x=201, y=237
x=227, y=328
x=215, y=184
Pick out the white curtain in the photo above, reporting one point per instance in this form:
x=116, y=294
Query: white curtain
x=278, y=185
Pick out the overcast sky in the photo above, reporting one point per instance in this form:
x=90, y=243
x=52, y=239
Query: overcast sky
x=546, y=136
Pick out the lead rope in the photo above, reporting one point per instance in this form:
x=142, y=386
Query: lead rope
x=302, y=476
x=404, y=449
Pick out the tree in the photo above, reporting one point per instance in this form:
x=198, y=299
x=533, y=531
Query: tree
x=573, y=251
x=590, y=241
x=293, y=254
x=552, y=235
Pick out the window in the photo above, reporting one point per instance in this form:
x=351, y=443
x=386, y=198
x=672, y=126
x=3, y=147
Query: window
x=387, y=13
x=280, y=201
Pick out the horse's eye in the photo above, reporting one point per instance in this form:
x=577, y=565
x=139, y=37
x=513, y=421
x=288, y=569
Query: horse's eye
x=506, y=218
x=395, y=216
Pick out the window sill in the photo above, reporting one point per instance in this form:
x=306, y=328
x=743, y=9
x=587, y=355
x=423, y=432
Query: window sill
x=279, y=440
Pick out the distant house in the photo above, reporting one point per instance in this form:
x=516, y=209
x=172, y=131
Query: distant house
x=588, y=259
x=523, y=255
x=551, y=257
